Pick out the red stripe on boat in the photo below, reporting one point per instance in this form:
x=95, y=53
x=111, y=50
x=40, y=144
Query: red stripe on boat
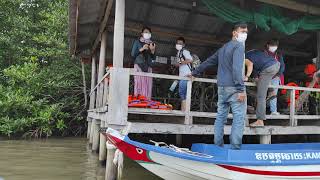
x=133, y=152
x=270, y=173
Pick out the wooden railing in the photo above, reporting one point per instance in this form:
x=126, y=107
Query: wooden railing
x=115, y=98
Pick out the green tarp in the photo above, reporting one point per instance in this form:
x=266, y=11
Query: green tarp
x=268, y=17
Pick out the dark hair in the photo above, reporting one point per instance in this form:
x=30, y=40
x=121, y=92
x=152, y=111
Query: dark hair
x=181, y=39
x=239, y=25
x=273, y=41
x=144, y=28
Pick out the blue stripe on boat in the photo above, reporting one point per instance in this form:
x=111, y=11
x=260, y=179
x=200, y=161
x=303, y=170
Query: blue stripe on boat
x=249, y=155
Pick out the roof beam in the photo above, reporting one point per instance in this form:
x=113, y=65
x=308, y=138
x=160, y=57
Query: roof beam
x=164, y=4
x=293, y=5
x=161, y=26
x=103, y=24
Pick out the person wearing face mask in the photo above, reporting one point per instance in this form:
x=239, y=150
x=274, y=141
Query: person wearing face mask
x=265, y=68
x=184, y=63
x=231, y=88
x=278, y=79
x=143, y=53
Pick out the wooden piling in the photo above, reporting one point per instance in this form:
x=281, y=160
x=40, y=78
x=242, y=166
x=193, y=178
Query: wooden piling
x=265, y=139
x=89, y=127
x=96, y=135
x=111, y=169
x=91, y=131
x=120, y=165
x=92, y=95
x=116, y=115
x=179, y=140
x=102, y=145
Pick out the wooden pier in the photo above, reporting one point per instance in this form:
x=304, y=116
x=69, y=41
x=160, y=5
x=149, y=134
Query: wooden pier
x=110, y=88
x=114, y=113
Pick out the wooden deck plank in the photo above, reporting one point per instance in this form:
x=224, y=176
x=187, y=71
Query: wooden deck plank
x=166, y=128
x=212, y=115
x=197, y=114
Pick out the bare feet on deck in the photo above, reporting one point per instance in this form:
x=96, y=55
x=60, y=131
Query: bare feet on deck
x=258, y=123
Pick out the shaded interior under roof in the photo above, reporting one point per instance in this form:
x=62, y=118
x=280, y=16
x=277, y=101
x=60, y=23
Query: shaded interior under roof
x=170, y=18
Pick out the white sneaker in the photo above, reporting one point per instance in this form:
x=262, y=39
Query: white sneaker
x=275, y=113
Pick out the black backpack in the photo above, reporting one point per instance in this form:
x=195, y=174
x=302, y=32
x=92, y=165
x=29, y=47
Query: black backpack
x=195, y=60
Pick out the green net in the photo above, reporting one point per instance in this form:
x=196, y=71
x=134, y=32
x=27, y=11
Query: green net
x=268, y=17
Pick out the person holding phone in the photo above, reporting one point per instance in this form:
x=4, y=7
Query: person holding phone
x=143, y=54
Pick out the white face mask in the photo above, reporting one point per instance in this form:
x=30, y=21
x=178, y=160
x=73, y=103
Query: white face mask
x=273, y=48
x=242, y=37
x=179, y=47
x=146, y=35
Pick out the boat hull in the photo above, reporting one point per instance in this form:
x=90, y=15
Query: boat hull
x=221, y=172
x=176, y=165
x=168, y=173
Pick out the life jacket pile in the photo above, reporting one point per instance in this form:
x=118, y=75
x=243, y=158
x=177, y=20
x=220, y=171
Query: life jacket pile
x=142, y=102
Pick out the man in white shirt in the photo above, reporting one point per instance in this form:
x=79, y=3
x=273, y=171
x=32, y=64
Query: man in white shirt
x=184, y=63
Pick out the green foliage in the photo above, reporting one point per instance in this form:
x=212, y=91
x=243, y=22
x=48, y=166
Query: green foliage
x=40, y=86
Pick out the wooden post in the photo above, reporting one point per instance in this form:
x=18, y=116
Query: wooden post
x=120, y=165
x=293, y=120
x=96, y=135
x=265, y=139
x=89, y=120
x=105, y=92
x=84, y=84
x=102, y=145
x=119, y=85
x=118, y=41
x=111, y=169
x=102, y=66
x=179, y=140
x=188, y=118
x=92, y=96
x=318, y=49
x=93, y=121
x=119, y=91
x=318, y=64
x=100, y=139
x=203, y=87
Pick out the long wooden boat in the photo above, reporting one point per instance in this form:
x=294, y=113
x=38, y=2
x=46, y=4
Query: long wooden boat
x=206, y=161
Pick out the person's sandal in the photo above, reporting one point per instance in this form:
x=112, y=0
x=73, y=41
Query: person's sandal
x=256, y=125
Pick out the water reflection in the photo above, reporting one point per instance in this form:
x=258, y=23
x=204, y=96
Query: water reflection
x=57, y=159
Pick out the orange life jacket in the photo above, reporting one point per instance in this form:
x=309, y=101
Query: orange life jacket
x=285, y=92
x=310, y=69
x=142, y=102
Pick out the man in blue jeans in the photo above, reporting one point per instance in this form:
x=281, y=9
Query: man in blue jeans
x=231, y=88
